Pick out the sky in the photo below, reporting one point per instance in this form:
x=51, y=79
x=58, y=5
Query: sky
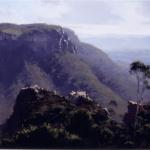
x=90, y=19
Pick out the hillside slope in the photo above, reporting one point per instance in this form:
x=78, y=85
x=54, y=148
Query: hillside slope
x=54, y=58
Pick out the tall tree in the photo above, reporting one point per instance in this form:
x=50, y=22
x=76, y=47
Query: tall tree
x=142, y=73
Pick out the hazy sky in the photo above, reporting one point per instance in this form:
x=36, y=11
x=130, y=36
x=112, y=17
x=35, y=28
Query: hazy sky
x=88, y=18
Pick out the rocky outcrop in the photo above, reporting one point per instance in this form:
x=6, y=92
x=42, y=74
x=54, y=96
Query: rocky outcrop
x=33, y=101
x=134, y=110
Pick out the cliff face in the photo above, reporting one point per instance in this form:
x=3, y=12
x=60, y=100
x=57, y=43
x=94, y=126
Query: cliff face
x=54, y=58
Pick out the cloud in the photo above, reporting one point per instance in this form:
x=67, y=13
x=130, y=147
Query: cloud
x=130, y=21
x=31, y=11
x=54, y=2
x=88, y=11
x=68, y=11
x=94, y=30
x=87, y=17
x=145, y=11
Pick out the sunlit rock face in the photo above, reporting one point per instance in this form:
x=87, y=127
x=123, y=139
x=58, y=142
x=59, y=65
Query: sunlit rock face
x=51, y=41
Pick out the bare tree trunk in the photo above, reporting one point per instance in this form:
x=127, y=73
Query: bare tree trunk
x=138, y=101
x=140, y=98
x=138, y=87
x=142, y=94
x=143, y=89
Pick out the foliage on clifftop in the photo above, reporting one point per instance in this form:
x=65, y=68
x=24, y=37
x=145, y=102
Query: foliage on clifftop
x=43, y=119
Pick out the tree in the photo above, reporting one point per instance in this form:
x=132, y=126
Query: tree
x=142, y=73
x=81, y=121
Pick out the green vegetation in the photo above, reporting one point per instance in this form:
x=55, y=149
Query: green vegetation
x=43, y=119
